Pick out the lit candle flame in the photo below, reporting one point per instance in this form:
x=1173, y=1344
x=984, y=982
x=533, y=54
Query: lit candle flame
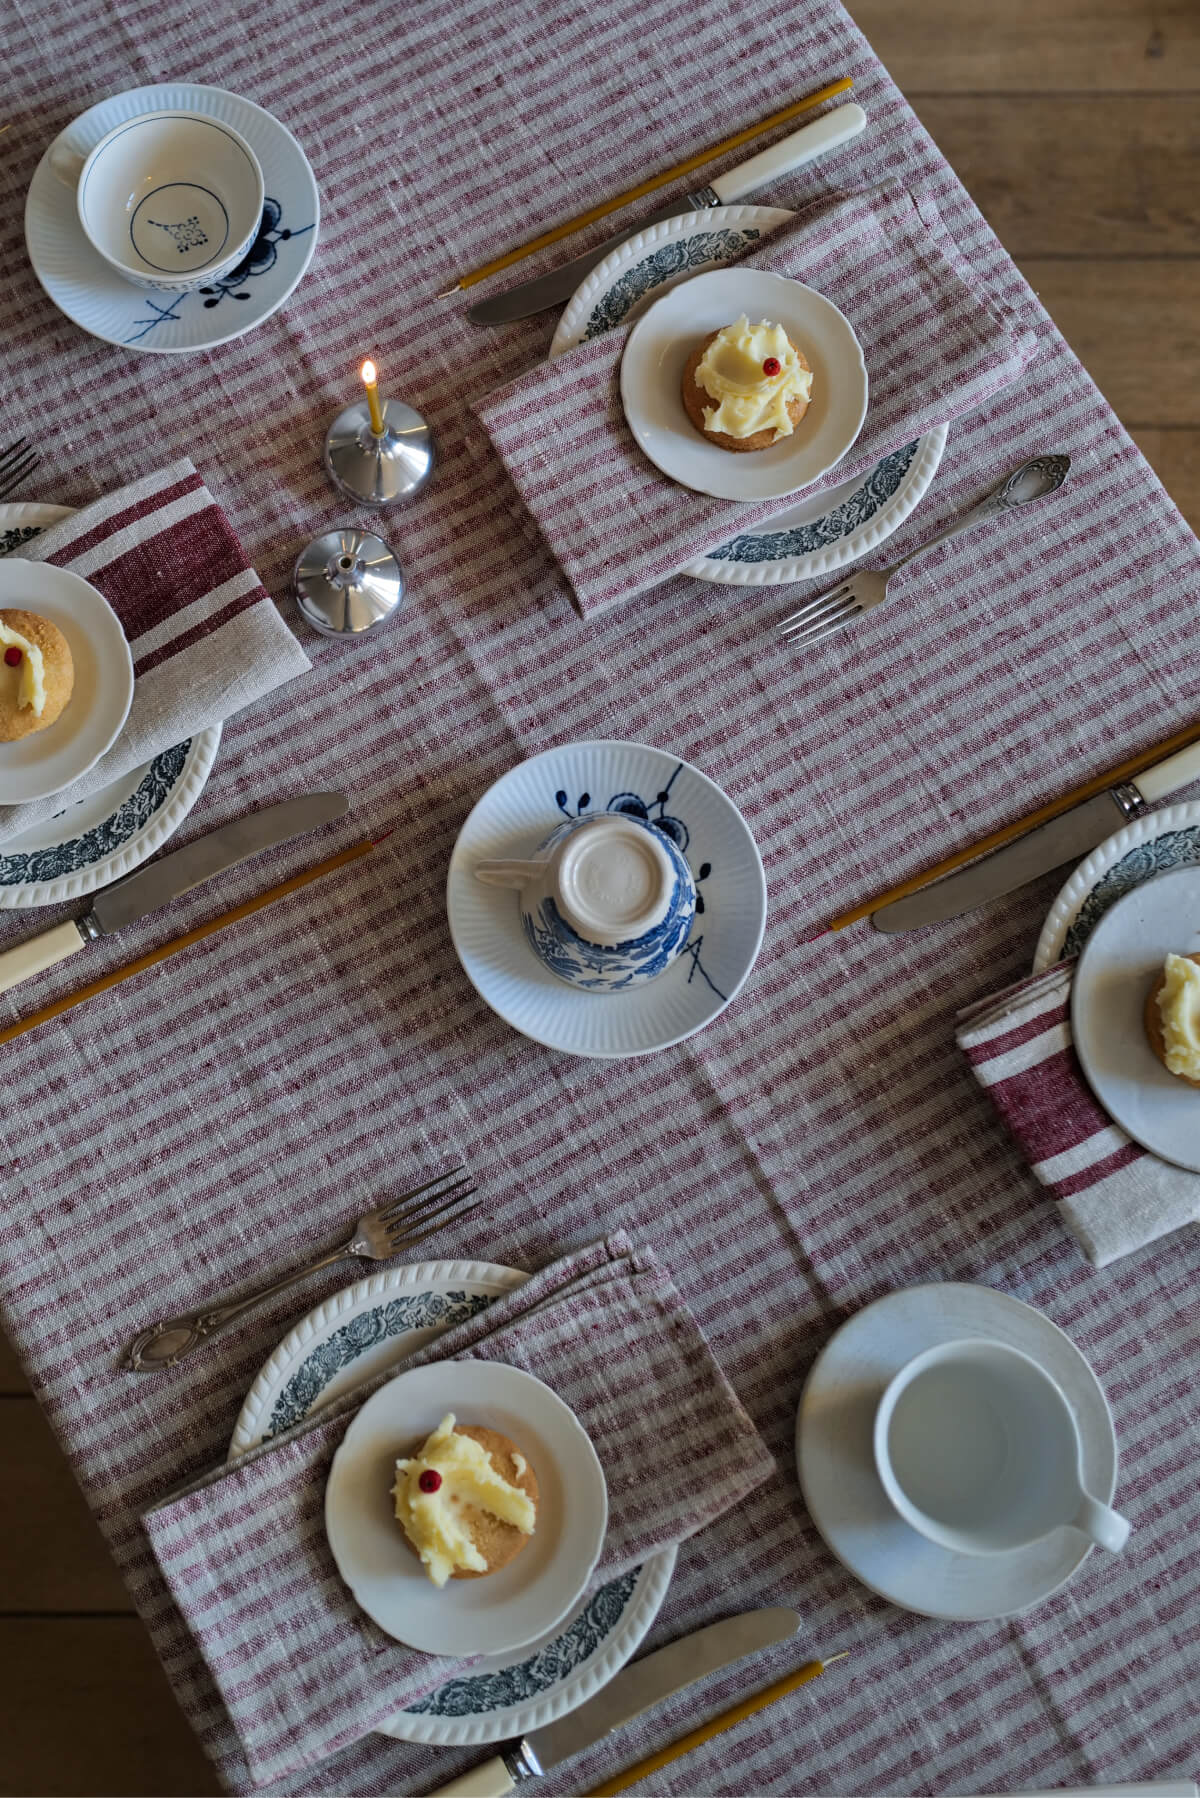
x=373, y=406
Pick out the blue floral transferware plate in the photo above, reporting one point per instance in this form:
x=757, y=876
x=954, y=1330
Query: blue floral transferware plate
x=1150, y=845
x=90, y=292
x=96, y=840
x=518, y=812
x=373, y=1325
x=821, y=531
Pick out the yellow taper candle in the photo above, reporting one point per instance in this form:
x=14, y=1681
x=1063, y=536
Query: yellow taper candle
x=376, y=410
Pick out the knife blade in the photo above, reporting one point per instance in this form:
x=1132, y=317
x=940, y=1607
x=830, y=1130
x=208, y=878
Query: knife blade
x=1063, y=839
x=823, y=134
x=169, y=877
x=635, y=1689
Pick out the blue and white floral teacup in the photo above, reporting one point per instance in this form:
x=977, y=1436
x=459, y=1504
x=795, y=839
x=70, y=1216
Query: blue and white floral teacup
x=607, y=900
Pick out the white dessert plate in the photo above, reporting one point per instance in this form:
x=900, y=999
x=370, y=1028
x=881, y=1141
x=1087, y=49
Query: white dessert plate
x=48, y=760
x=652, y=370
x=95, y=296
x=96, y=840
x=366, y=1328
x=836, y=1463
x=520, y=810
x=535, y=1591
x=1139, y=851
x=823, y=530
x=1119, y=964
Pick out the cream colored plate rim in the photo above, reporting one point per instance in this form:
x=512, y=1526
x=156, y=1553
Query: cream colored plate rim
x=1091, y=871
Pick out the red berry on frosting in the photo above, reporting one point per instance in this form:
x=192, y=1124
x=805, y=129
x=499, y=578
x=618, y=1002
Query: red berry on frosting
x=429, y=1480
x=771, y=365
x=12, y=656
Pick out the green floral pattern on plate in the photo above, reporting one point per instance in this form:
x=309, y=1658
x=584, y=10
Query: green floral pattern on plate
x=1175, y=849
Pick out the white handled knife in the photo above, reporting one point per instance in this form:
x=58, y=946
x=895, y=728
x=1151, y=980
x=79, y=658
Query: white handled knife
x=635, y=1689
x=824, y=134
x=1063, y=839
x=160, y=881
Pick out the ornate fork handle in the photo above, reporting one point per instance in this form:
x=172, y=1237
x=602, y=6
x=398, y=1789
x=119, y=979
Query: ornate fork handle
x=169, y=1340
x=1044, y=474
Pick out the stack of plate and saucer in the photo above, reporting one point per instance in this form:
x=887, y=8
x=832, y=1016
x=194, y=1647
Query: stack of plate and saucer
x=356, y=1334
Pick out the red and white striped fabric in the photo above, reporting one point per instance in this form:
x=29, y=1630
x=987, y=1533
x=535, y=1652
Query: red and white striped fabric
x=1113, y=1195
x=205, y=635
x=302, y=1671
x=935, y=347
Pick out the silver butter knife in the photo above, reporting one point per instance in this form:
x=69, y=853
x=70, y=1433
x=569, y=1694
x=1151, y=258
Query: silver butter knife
x=163, y=880
x=1062, y=839
x=824, y=134
x=639, y=1686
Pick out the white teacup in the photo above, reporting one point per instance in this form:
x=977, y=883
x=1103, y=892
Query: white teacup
x=979, y=1451
x=172, y=200
x=607, y=902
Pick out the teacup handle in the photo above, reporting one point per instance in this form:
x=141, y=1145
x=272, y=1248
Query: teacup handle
x=509, y=874
x=1103, y=1525
x=66, y=164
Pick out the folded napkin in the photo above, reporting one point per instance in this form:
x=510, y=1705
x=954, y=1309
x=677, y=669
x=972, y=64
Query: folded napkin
x=301, y=1669
x=935, y=349
x=1114, y=1196
x=205, y=637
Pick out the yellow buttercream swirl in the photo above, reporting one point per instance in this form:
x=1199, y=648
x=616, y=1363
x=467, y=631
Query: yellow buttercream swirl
x=1179, y=1008
x=434, y=1522
x=32, y=690
x=731, y=372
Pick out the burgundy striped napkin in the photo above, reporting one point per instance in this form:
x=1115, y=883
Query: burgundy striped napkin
x=205, y=635
x=935, y=349
x=302, y=1671
x=1113, y=1195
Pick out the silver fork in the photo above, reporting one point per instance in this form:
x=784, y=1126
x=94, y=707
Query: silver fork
x=377, y=1237
x=827, y=613
x=16, y=463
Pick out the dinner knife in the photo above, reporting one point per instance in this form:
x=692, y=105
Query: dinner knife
x=635, y=1689
x=827, y=133
x=1063, y=839
x=160, y=881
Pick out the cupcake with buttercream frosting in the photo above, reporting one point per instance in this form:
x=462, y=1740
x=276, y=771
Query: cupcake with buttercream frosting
x=747, y=386
x=37, y=674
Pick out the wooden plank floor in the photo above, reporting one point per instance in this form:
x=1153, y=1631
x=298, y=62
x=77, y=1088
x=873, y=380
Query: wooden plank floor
x=1076, y=125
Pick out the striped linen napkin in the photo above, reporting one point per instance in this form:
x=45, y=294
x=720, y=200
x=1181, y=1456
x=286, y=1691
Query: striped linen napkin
x=205, y=635
x=302, y=1671
x=935, y=349
x=1113, y=1195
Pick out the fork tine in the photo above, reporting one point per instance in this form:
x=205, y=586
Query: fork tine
x=14, y=449
x=835, y=609
x=837, y=625
x=822, y=626
x=416, y=1192
x=400, y=1236
x=11, y=478
x=406, y=1211
x=811, y=605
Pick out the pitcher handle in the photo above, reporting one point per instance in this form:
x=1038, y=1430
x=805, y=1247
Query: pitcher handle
x=509, y=874
x=1102, y=1524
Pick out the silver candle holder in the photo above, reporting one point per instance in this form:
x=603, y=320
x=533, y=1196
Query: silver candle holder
x=378, y=468
x=348, y=582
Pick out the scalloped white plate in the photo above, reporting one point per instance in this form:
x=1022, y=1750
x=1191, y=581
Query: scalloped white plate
x=823, y=531
x=1150, y=845
x=372, y=1325
x=96, y=840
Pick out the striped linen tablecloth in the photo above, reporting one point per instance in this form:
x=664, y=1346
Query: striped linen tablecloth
x=824, y=1140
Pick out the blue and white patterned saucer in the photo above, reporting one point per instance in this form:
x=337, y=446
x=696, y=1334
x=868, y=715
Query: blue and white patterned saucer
x=821, y=531
x=357, y=1333
x=515, y=815
x=94, y=841
x=90, y=292
x=1150, y=845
